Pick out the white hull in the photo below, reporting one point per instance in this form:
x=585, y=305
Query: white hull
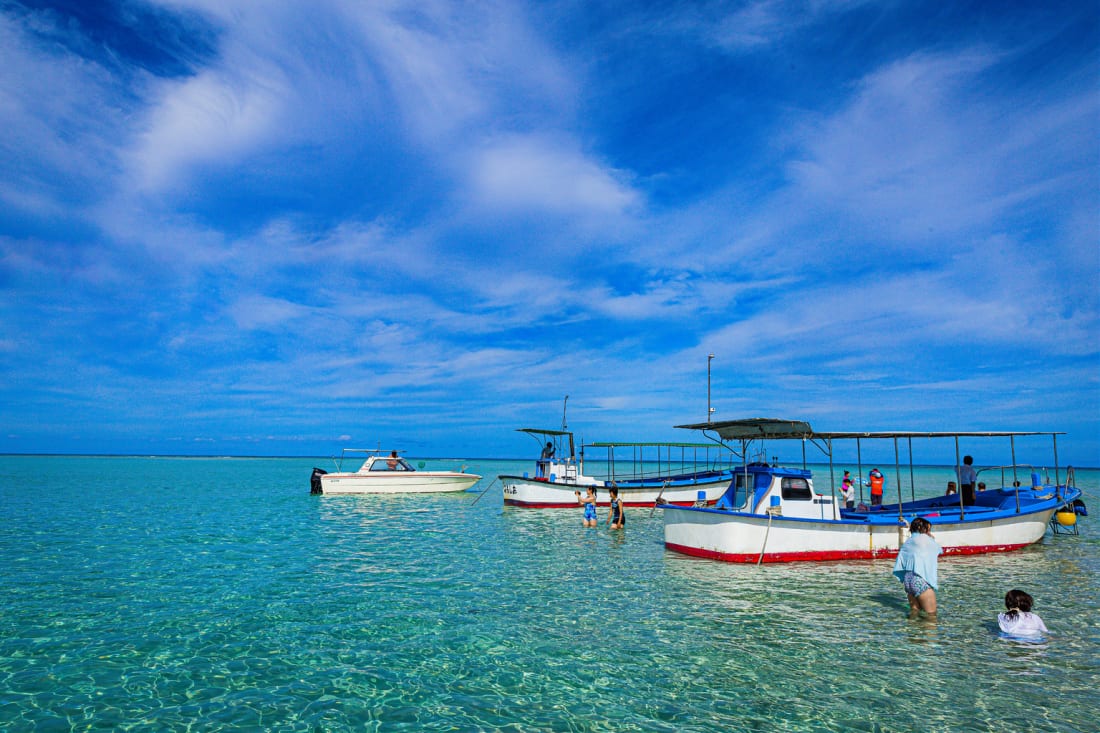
x=547, y=494
x=418, y=482
x=741, y=537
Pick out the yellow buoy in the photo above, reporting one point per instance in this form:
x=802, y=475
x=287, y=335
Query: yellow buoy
x=1066, y=519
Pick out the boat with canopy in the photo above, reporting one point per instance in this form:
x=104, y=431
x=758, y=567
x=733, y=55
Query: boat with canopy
x=773, y=513
x=643, y=472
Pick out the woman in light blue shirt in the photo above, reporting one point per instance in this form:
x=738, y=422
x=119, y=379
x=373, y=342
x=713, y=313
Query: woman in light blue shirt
x=916, y=567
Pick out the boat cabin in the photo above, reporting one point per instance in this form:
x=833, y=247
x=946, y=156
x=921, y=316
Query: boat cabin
x=758, y=488
x=558, y=461
x=375, y=464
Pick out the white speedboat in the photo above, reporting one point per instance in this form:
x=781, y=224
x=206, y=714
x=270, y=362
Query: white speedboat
x=387, y=473
x=656, y=473
x=772, y=513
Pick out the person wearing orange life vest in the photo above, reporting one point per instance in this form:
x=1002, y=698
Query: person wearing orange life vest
x=876, y=486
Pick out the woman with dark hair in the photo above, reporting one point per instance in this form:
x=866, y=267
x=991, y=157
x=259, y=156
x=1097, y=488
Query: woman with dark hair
x=916, y=567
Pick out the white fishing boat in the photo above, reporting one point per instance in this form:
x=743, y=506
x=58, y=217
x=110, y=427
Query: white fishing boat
x=677, y=473
x=387, y=473
x=772, y=513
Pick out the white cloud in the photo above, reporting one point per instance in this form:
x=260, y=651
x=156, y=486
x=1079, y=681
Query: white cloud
x=763, y=23
x=905, y=154
x=58, y=114
x=537, y=173
x=252, y=312
x=346, y=73
x=209, y=119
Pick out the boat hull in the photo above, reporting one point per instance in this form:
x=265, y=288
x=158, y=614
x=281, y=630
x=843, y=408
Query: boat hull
x=545, y=494
x=419, y=482
x=752, y=538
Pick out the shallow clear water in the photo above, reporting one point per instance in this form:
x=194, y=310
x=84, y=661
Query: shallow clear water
x=186, y=593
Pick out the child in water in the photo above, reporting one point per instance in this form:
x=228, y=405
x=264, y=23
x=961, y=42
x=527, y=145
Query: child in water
x=616, y=519
x=1018, y=620
x=916, y=567
x=589, y=502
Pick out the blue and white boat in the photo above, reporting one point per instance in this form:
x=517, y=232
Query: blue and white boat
x=677, y=473
x=772, y=513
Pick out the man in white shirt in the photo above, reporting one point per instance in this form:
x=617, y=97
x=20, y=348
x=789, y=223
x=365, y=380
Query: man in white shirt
x=967, y=478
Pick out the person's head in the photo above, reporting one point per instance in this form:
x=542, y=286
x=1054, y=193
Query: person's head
x=951, y=488
x=614, y=492
x=920, y=525
x=393, y=454
x=591, y=491
x=847, y=474
x=968, y=460
x=981, y=486
x=1018, y=600
x=847, y=480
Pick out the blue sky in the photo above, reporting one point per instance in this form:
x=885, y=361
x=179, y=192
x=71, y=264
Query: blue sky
x=280, y=228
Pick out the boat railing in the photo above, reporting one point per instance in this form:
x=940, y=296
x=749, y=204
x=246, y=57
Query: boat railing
x=658, y=460
x=1039, y=475
x=346, y=453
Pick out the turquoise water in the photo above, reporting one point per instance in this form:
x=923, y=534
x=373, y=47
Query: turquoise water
x=203, y=594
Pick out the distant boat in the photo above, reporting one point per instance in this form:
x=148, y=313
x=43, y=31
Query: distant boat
x=772, y=513
x=560, y=474
x=387, y=473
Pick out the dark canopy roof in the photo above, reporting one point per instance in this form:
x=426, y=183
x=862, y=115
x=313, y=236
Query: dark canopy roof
x=539, y=431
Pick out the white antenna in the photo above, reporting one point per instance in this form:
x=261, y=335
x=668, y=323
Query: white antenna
x=710, y=410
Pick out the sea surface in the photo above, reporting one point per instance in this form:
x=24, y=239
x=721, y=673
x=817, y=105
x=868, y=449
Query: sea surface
x=173, y=594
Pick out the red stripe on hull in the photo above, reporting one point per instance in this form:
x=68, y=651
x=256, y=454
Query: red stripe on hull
x=821, y=555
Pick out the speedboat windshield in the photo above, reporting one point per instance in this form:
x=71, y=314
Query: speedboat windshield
x=390, y=464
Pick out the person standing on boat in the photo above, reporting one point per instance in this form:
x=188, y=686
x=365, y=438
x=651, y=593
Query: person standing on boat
x=543, y=463
x=848, y=492
x=877, y=483
x=916, y=567
x=616, y=518
x=967, y=478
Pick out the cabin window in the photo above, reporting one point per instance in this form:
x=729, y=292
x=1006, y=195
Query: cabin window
x=390, y=464
x=797, y=488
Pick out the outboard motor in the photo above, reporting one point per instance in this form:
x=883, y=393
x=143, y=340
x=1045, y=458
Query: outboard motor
x=315, y=480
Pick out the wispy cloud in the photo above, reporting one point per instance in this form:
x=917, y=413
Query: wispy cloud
x=541, y=174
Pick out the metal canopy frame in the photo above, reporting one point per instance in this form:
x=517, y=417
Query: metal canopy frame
x=536, y=432
x=761, y=428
